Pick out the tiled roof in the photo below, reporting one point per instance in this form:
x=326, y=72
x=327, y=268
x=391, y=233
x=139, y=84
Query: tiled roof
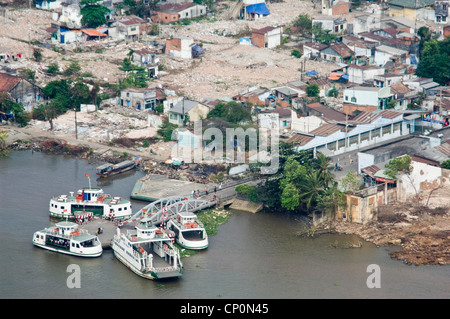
x=93, y=33
x=399, y=88
x=8, y=82
x=341, y=49
x=263, y=30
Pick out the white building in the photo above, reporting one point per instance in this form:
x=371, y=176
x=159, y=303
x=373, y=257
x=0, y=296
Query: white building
x=70, y=15
x=366, y=129
x=363, y=74
x=384, y=54
x=362, y=95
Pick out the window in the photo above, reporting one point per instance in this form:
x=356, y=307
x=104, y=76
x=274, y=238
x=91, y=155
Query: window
x=376, y=133
x=331, y=146
x=386, y=129
x=353, y=140
x=397, y=127
x=365, y=136
x=353, y=99
x=346, y=98
x=341, y=143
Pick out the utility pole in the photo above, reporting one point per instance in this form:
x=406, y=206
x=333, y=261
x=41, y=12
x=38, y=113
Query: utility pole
x=76, y=128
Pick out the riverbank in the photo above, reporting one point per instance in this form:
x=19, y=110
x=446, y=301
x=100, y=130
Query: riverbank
x=422, y=235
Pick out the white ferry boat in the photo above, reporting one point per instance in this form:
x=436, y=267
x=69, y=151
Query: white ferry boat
x=66, y=238
x=189, y=231
x=92, y=200
x=148, y=251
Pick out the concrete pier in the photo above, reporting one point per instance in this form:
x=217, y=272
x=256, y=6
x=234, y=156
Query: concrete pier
x=154, y=187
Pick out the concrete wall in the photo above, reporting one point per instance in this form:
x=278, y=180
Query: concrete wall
x=362, y=206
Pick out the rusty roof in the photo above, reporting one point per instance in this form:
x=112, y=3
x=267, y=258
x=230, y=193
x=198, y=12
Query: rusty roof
x=389, y=114
x=365, y=117
x=343, y=50
x=327, y=112
x=300, y=139
x=444, y=148
x=327, y=129
x=370, y=170
x=263, y=30
x=8, y=82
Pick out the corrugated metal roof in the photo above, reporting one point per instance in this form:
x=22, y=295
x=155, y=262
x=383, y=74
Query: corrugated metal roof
x=444, y=148
x=327, y=129
x=389, y=114
x=8, y=82
x=370, y=170
x=299, y=139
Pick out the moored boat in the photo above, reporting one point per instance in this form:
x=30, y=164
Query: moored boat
x=91, y=200
x=108, y=169
x=148, y=251
x=66, y=238
x=189, y=231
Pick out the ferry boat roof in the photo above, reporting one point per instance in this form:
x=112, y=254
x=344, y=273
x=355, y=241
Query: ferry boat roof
x=187, y=214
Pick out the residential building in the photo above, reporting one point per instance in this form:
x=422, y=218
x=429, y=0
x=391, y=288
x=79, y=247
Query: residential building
x=374, y=96
x=312, y=116
x=363, y=73
x=184, y=111
x=138, y=98
x=419, y=85
x=337, y=52
x=254, y=95
x=402, y=95
x=49, y=4
x=365, y=23
x=172, y=12
x=267, y=37
x=70, y=15
x=336, y=26
x=131, y=28
x=278, y=118
x=387, y=79
x=252, y=9
x=180, y=47
x=313, y=49
x=384, y=54
x=21, y=90
x=411, y=9
x=335, y=7
x=146, y=59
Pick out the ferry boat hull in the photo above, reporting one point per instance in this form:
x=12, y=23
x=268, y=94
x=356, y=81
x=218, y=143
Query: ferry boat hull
x=89, y=200
x=66, y=238
x=189, y=232
x=113, y=169
x=148, y=252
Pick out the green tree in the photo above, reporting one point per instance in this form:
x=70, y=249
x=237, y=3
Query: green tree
x=94, y=15
x=53, y=68
x=321, y=164
x=303, y=22
x=232, y=112
x=399, y=165
x=4, y=151
x=351, y=183
x=333, y=92
x=435, y=61
x=8, y=106
x=323, y=36
x=446, y=164
x=74, y=68
x=312, y=90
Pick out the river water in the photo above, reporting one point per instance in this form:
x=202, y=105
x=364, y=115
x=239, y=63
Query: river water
x=255, y=256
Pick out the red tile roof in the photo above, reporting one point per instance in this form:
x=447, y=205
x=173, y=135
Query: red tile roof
x=327, y=112
x=8, y=82
x=300, y=140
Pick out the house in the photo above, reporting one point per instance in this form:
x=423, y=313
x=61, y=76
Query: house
x=93, y=34
x=254, y=95
x=337, y=52
x=336, y=26
x=68, y=36
x=139, y=98
x=180, y=47
x=49, y=4
x=442, y=11
x=384, y=54
x=146, y=59
x=252, y=9
x=362, y=50
x=21, y=90
x=313, y=49
x=70, y=15
x=365, y=23
x=402, y=95
x=363, y=73
x=172, y=12
x=130, y=28
x=312, y=116
x=187, y=111
x=365, y=129
x=387, y=79
x=411, y=9
x=278, y=118
x=288, y=92
x=267, y=37
x=425, y=85
x=335, y=7
x=368, y=96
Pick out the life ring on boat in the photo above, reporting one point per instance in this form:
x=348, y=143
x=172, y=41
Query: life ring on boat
x=141, y=250
x=166, y=248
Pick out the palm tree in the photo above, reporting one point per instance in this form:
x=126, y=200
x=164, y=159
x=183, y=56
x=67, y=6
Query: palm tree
x=312, y=189
x=322, y=165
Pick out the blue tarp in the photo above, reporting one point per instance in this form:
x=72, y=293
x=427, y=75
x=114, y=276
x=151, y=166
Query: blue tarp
x=313, y=72
x=259, y=8
x=198, y=49
x=345, y=77
x=413, y=60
